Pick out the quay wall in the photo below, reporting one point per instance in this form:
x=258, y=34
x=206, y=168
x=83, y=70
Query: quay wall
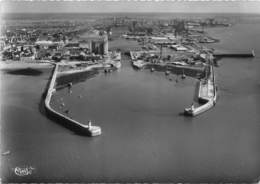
x=75, y=76
x=190, y=71
x=64, y=79
x=176, y=69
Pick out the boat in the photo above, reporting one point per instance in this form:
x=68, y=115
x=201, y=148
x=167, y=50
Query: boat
x=198, y=76
x=167, y=72
x=139, y=64
x=183, y=76
x=6, y=153
x=152, y=69
x=117, y=64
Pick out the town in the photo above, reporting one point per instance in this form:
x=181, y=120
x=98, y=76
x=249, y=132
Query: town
x=88, y=41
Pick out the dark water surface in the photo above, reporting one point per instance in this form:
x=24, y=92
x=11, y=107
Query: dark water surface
x=144, y=137
x=24, y=71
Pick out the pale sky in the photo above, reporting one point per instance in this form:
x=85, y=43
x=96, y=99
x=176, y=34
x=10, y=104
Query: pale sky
x=76, y=6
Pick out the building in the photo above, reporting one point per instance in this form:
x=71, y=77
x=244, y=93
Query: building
x=96, y=43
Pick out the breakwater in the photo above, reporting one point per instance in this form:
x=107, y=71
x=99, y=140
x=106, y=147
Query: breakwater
x=206, y=101
x=68, y=122
x=207, y=95
x=233, y=54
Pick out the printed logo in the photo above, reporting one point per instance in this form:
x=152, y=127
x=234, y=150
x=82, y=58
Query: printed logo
x=23, y=171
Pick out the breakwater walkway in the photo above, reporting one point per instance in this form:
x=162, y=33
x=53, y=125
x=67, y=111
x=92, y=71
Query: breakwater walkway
x=67, y=121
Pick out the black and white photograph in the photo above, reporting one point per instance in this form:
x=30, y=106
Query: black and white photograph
x=130, y=91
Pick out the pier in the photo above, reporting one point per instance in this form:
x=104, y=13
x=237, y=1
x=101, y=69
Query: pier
x=82, y=128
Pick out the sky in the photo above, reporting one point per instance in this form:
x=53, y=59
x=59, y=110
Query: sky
x=103, y=6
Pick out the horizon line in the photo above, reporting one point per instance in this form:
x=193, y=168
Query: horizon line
x=131, y=12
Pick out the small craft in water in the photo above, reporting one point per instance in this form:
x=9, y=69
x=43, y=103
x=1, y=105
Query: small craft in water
x=198, y=76
x=167, y=72
x=183, y=76
x=152, y=69
x=6, y=153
